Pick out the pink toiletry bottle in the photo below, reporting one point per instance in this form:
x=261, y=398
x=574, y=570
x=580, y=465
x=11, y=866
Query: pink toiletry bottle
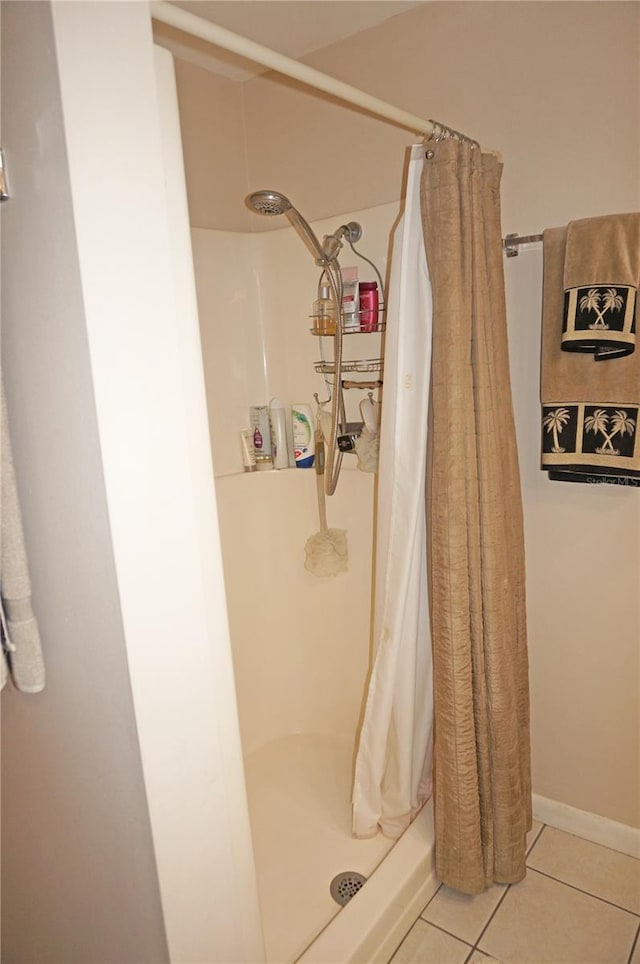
x=368, y=306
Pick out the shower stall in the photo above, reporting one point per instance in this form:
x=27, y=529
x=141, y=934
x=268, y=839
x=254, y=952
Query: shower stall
x=302, y=645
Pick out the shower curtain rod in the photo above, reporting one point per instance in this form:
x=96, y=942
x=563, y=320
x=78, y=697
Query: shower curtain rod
x=221, y=37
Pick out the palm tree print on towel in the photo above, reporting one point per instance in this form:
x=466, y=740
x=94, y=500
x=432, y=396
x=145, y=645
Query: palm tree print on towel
x=601, y=422
x=555, y=422
x=601, y=302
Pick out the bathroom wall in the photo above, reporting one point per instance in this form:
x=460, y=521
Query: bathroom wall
x=121, y=842
x=78, y=865
x=555, y=88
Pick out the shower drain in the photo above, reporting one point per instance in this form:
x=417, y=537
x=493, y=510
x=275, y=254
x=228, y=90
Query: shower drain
x=346, y=885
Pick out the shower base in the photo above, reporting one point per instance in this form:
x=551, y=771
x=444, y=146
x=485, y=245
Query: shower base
x=299, y=790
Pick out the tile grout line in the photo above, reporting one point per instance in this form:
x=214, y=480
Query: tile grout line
x=633, y=946
x=430, y=924
x=403, y=940
x=448, y=933
x=492, y=915
x=429, y=902
x=469, y=956
x=431, y=899
x=474, y=946
x=537, y=838
x=587, y=893
x=419, y=917
x=507, y=889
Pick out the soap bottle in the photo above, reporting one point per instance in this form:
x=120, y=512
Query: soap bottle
x=324, y=313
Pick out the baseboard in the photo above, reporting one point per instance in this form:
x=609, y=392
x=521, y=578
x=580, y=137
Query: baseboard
x=590, y=826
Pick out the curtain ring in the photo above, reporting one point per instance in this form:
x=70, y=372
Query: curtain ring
x=438, y=133
x=441, y=132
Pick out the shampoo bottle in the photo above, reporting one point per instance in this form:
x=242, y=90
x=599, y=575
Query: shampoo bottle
x=303, y=438
x=259, y=416
x=278, y=419
x=368, y=305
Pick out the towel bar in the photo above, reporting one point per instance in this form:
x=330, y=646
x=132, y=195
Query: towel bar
x=512, y=242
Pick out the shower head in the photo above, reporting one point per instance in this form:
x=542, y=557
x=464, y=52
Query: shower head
x=272, y=202
x=269, y=203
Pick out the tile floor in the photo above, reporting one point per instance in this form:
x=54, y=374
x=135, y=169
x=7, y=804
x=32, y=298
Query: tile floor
x=579, y=903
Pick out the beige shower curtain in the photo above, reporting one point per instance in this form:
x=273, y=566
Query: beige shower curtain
x=474, y=512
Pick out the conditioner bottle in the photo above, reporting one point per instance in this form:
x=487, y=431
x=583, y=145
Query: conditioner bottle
x=303, y=438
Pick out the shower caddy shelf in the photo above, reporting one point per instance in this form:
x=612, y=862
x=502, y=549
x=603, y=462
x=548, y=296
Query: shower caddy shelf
x=381, y=326
x=345, y=433
x=360, y=365
x=351, y=366
x=325, y=256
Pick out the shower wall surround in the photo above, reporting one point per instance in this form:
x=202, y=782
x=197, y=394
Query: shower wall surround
x=226, y=266
x=255, y=294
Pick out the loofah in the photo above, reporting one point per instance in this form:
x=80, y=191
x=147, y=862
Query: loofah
x=327, y=552
x=367, y=449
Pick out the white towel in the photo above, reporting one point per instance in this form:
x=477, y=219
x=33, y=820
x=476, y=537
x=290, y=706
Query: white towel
x=21, y=649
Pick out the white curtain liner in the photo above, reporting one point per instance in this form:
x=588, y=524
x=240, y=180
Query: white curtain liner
x=393, y=765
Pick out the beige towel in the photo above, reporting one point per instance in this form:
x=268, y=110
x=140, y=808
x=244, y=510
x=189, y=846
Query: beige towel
x=601, y=274
x=21, y=649
x=589, y=411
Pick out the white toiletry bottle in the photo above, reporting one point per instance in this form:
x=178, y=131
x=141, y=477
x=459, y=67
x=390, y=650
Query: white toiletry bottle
x=248, y=451
x=278, y=418
x=350, y=299
x=303, y=438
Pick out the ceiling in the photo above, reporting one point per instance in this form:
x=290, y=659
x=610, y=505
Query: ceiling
x=292, y=27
